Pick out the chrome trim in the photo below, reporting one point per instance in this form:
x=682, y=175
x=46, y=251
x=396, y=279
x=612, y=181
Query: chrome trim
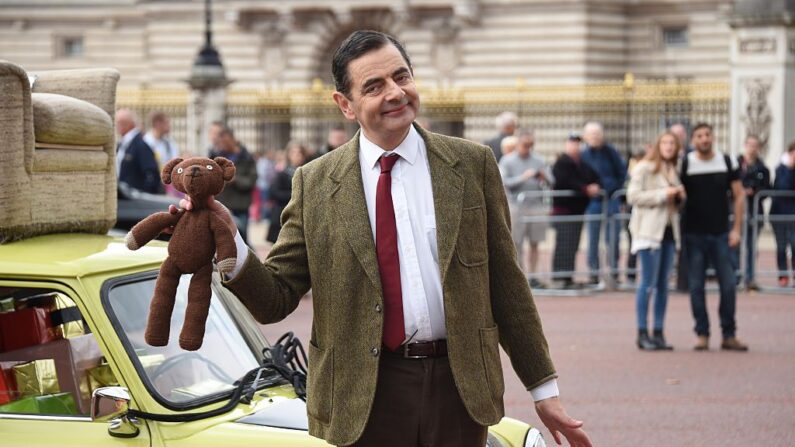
x=533, y=437
x=41, y=417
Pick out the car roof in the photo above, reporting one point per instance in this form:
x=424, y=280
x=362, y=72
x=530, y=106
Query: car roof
x=75, y=255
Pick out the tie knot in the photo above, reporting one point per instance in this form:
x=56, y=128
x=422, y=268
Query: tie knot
x=388, y=162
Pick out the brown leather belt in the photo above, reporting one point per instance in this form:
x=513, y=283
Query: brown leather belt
x=421, y=350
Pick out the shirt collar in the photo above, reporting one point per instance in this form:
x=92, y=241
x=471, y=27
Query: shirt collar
x=128, y=137
x=407, y=149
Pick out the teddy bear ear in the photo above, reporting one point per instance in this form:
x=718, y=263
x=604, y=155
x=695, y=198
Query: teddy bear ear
x=165, y=176
x=227, y=166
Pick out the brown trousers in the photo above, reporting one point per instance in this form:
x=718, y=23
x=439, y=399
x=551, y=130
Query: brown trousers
x=417, y=405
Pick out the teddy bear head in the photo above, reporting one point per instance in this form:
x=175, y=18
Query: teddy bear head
x=199, y=177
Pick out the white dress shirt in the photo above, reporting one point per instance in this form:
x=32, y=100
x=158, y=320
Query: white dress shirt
x=420, y=277
x=126, y=139
x=164, y=149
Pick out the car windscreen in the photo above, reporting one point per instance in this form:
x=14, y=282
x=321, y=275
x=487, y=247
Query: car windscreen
x=179, y=379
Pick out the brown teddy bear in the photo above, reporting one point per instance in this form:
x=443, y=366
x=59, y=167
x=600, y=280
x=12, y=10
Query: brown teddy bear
x=198, y=235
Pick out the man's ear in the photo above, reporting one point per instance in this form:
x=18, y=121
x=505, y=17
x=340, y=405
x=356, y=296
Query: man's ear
x=227, y=166
x=344, y=104
x=165, y=176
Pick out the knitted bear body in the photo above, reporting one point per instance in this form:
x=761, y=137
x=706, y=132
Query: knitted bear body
x=197, y=237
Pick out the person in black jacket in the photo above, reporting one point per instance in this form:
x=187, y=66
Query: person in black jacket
x=783, y=208
x=282, y=187
x=237, y=195
x=135, y=161
x=572, y=175
x=755, y=177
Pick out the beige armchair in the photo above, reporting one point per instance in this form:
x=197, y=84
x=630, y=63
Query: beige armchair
x=57, y=151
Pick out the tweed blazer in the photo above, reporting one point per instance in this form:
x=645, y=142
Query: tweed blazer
x=651, y=212
x=326, y=243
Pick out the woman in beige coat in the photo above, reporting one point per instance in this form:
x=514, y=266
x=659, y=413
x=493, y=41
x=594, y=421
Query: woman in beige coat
x=656, y=195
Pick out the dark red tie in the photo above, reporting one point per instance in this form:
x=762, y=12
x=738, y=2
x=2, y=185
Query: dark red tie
x=386, y=248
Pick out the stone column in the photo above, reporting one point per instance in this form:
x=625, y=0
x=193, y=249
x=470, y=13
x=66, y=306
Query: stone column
x=763, y=75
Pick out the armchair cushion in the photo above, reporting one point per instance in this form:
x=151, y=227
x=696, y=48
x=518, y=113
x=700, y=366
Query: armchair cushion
x=60, y=119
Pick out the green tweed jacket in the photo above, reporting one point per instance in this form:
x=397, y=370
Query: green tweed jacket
x=326, y=243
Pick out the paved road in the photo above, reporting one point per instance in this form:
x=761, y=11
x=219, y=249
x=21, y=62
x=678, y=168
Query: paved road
x=632, y=398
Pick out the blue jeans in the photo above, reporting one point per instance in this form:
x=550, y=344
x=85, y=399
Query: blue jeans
x=655, y=267
x=750, y=259
x=611, y=236
x=715, y=248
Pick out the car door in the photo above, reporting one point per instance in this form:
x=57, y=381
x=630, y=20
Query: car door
x=71, y=356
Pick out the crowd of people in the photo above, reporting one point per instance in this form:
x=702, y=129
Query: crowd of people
x=683, y=196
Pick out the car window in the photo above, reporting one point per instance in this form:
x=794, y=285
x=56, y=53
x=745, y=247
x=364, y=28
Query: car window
x=179, y=378
x=48, y=354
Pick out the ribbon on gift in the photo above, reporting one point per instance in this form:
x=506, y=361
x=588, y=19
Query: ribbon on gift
x=37, y=378
x=65, y=316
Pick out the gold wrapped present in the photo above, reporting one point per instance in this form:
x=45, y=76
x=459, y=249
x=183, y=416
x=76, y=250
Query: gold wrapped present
x=6, y=305
x=36, y=378
x=101, y=376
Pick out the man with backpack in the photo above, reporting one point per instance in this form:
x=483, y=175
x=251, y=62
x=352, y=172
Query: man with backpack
x=710, y=178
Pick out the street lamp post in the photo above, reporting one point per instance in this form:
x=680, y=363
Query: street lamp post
x=208, y=81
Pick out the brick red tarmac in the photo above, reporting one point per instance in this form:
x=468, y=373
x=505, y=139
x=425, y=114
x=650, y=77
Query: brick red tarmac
x=632, y=398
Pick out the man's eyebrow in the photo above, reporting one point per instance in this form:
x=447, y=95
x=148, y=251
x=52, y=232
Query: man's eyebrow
x=372, y=81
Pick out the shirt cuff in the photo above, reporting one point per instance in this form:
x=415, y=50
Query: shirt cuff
x=545, y=390
x=240, y=260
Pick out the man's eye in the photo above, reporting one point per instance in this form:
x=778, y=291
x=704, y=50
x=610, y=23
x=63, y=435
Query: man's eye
x=373, y=89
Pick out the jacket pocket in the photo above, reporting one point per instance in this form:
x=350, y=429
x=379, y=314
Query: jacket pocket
x=472, y=248
x=320, y=383
x=490, y=350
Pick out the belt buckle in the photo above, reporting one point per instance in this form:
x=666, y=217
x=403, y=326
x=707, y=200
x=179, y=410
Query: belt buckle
x=407, y=356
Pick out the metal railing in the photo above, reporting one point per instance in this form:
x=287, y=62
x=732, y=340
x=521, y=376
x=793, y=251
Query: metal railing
x=768, y=246
x=633, y=112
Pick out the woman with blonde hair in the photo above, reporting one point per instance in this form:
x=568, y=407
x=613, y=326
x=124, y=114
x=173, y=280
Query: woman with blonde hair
x=656, y=195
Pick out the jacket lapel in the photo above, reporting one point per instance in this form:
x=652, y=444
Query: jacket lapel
x=351, y=209
x=448, y=195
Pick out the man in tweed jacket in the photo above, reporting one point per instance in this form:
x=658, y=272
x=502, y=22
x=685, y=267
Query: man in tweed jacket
x=359, y=391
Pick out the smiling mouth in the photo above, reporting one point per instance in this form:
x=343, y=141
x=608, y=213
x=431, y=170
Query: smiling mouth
x=397, y=110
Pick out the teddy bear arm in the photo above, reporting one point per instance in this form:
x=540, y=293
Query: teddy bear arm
x=225, y=247
x=149, y=228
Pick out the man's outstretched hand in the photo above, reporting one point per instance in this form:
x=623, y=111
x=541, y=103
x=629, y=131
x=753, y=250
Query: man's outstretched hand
x=553, y=415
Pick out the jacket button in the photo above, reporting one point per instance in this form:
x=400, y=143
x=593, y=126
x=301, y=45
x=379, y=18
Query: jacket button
x=374, y=351
x=378, y=308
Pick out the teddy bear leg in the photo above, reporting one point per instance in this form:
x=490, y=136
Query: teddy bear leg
x=199, y=293
x=159, y=323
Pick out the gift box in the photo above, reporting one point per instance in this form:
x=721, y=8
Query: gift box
x=67, y=322
x=101, y=376
x=8, y=384
x=26, y=327
x=60, y=403
x=73, y=357
x=36, y=378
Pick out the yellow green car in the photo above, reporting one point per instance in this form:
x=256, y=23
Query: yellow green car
x=113, y=370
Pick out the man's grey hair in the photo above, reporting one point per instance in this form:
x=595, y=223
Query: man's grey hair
x=127, y=113
x=592, y=126
x=506, y=118
x=525, y=132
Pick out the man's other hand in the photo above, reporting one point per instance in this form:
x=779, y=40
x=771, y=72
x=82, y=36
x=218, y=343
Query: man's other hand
x=553, y=415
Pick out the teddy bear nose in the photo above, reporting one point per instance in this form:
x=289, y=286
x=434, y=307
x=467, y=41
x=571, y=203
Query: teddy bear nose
x=195, y=169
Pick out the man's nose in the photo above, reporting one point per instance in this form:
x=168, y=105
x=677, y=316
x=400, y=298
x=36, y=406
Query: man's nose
x=394, y=92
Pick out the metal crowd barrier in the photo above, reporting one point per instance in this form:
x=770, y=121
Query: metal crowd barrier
x=762, y=250
x=534, y=208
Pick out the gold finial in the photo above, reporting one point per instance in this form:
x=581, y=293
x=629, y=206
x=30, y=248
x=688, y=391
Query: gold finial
x=317, y=85
x=629, y=80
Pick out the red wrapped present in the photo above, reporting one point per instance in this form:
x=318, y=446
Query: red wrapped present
x=26, y=327
x=8, y=384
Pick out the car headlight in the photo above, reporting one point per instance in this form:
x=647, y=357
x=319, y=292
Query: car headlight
x=534, y=439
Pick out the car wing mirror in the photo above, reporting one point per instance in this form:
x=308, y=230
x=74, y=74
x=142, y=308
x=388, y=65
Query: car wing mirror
x=111, y=404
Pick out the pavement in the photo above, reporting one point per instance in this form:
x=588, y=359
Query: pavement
x=632, y=398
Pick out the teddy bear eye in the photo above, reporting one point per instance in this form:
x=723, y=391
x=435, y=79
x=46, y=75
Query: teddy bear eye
x=179, y=170
x=209, y=167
